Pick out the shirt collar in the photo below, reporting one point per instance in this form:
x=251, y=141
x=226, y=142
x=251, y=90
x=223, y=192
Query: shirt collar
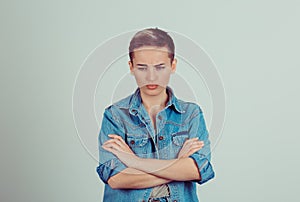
x=136, y=102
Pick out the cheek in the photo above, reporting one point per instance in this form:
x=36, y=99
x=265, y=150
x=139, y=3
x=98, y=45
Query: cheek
x=140, y=79
x=165, y=77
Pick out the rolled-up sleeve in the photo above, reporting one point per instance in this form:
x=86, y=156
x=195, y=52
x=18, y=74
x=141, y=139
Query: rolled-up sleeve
x=109, y=164
x=202, y=158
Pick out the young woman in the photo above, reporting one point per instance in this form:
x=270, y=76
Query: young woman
x=152, y=145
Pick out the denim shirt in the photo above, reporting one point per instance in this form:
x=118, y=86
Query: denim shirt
x=177, y=122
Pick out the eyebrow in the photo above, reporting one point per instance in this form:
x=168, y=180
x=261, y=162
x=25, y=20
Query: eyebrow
x=145, y=65
x=161, y=64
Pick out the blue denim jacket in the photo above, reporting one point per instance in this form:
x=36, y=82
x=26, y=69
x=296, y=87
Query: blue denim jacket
x=178, y=121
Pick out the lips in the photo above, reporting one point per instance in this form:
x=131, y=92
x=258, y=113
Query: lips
x=151, y=87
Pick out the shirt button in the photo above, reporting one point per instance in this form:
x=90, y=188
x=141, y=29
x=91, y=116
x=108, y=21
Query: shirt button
x=132, y=142
x=159, y=117
x=160, y=137
x=175, y=201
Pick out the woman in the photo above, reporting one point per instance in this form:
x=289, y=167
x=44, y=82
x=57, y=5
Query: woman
x=153, y=146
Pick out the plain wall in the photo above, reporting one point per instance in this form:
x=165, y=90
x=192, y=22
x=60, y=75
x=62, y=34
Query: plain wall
x=254, y=44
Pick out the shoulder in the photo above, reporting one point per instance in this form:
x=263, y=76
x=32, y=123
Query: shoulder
x=123, y=103
x=187, y=106
x=119, y=106
x=182, y=106
x=192, y=113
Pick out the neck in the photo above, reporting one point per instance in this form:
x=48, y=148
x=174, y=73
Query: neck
x=155, y=103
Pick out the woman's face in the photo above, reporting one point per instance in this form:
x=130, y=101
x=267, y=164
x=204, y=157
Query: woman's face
x=152, y=68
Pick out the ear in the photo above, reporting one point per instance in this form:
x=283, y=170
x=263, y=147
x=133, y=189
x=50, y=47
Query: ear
x=173, y=65
x=130, y=67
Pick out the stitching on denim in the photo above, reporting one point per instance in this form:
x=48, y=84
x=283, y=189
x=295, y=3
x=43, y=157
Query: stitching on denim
x=115, y=117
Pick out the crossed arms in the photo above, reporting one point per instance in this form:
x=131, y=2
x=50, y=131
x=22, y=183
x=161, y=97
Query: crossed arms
x=144, y=173
x=121, y=168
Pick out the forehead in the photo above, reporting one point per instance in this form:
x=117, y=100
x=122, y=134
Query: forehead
x=151, y=55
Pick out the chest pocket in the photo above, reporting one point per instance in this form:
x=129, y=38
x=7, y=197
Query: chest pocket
x=179, y=138
x=138, y=143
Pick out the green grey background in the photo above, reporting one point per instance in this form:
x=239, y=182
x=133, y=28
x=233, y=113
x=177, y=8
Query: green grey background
x=254, y=44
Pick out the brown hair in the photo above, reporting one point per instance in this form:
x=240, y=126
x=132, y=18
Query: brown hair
x=152, y=37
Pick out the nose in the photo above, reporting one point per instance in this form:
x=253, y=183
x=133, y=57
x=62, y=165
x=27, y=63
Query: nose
x=151, y=74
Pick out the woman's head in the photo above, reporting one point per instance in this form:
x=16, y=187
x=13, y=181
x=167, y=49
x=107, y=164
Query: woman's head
x=152, y=61
x=152, y=37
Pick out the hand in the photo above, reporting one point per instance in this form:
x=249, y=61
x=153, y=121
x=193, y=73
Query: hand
x=118, y=147
x=189, y=147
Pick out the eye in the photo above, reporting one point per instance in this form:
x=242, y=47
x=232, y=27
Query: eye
x=142, y=68
x=160, y=67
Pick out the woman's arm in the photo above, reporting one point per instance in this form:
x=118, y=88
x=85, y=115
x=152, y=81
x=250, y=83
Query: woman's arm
x=180, y=169
x=183, y=169
x=131, y=178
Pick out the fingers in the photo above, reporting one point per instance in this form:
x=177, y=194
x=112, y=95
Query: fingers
x=114, y=136
x=111, y=146
x=109, y=149
x=119, y=139
x=116, y=145
x=116, y=141
x=193, y=149
x=187, y=153
x=193, y=141
x=188, y=141
x=190, y=146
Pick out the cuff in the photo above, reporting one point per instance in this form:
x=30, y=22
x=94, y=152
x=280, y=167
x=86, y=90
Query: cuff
x=109, y=169
x=204, y=166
